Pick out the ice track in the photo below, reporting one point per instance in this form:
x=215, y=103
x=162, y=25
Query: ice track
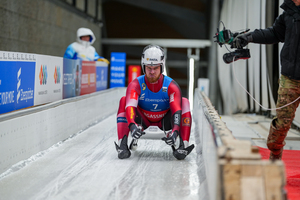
x=86, y=166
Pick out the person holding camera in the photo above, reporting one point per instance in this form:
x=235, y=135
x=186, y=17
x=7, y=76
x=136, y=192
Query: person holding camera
x=286, y=28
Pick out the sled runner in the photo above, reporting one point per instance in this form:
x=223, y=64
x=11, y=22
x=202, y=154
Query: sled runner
x=155, y=133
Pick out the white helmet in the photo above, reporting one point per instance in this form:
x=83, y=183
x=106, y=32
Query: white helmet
x=153, y=55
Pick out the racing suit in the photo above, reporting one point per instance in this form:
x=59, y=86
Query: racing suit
x=157, y=104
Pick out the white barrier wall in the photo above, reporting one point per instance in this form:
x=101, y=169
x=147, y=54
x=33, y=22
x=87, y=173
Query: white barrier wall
x=209, y=165
x=27, y=132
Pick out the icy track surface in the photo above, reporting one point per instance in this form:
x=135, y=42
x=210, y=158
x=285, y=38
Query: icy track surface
x=86, y=166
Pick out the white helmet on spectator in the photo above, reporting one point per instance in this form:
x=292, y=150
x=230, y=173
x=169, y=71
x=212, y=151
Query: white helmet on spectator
x=153, y=55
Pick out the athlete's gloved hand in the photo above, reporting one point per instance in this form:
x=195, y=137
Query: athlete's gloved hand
x=241, y=40
x=136, y=132
x=171, y=137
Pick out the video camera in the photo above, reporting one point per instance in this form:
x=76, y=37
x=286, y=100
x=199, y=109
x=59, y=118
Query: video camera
x=226, y=37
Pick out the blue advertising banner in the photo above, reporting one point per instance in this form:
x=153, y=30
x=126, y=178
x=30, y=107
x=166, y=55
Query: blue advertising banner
x=25, y=84
x=71, y=78
x=8, y=83
x=16, y=85
x=117, y=69
x=101, y=73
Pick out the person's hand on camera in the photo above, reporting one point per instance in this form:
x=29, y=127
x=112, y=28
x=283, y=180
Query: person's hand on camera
x=241, y=40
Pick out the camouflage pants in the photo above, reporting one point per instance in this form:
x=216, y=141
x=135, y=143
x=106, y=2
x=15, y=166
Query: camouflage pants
x=288, y=91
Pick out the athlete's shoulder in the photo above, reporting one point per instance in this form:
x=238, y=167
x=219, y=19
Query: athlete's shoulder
x=168, y=78
x=134, y=85
x=133, y=82
x=170, y=81
x=174, y=87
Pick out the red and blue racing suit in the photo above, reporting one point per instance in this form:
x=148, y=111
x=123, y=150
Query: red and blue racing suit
x=157, y=104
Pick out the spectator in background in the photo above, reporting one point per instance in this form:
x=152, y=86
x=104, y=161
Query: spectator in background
x=82, y=49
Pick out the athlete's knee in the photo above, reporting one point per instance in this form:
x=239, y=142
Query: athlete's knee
x=123, y=100
x=122, y=104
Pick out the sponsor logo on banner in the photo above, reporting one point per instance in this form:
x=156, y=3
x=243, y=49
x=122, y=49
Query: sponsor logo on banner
x=88, y=77
x=101, y=75
x=117, y=69
x=43, y=75
x=7, y=97
x=85, y=79
x=23, y=95
x=17, y=85
x=92, y=78
x=48, y=79
x=114, y=59
x=68, y=79
x=71, y=77
x=57, y=75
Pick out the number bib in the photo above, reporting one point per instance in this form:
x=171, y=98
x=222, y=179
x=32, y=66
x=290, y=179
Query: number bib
x=154, y=105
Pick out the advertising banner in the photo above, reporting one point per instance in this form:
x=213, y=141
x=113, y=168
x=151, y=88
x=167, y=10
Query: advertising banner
x=8, y=85
x=88, y=77
x=134, y=71
x=102, y=72
x=25, y=84
x=48, y=79
x=117, y=69
x=17, y=72
x=71, y=78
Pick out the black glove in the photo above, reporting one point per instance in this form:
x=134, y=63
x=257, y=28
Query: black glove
x=171, y=138
x=241, y=40
x=136, y=132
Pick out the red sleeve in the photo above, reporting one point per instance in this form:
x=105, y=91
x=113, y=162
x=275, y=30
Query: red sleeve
x=132, y=95
x=175, y=96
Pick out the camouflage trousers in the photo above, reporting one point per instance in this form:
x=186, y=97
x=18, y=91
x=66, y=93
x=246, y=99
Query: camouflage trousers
x=288, y=91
